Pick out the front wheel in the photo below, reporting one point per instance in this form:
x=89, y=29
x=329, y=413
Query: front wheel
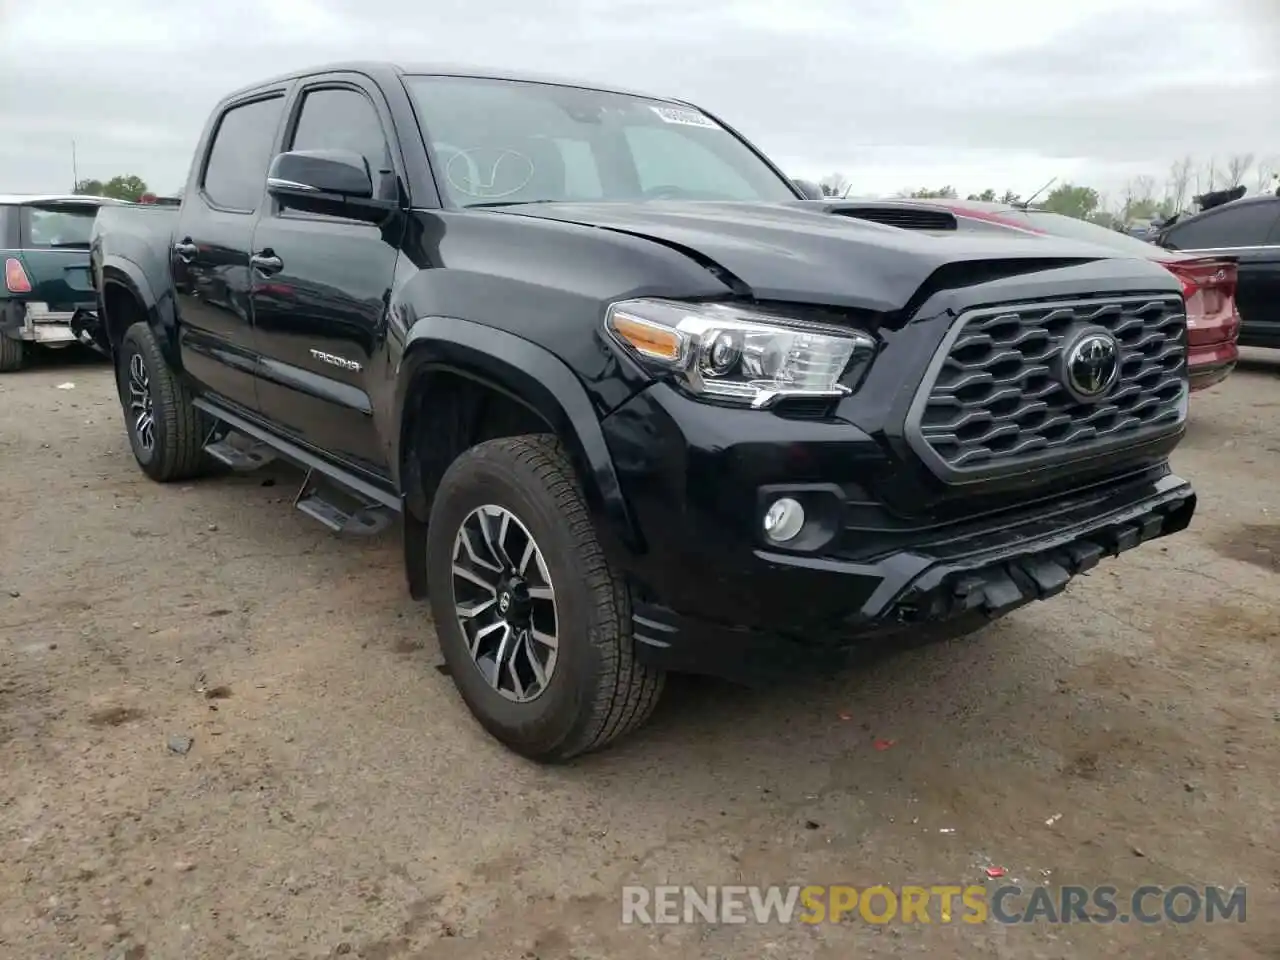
x=533, y=623
x=165, y=429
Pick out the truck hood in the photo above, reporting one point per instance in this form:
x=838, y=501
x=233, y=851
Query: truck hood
x=805, y=252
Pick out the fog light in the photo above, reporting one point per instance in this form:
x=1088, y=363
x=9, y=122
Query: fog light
x=783, y=520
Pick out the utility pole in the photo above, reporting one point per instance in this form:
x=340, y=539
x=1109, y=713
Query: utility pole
x=75, y=175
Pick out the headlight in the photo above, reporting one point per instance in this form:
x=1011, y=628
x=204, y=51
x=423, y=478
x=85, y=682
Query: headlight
x=738, y=354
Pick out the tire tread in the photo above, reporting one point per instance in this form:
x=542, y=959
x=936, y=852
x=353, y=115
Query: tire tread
x=13, y=354
x=627, y=690
x=182, y=447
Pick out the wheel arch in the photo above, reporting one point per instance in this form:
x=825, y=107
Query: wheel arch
x=460, y=383
x=126, y=298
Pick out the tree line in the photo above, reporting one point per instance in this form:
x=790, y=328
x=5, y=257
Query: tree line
x=1143, y=198
x=122, y=187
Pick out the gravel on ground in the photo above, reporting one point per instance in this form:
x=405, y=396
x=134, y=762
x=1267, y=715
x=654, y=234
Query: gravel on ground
x=223, y=734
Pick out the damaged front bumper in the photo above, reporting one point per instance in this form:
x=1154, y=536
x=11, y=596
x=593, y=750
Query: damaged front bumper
x=945, y=589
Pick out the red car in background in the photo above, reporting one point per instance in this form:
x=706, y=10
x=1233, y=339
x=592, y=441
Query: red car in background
x=1208, y=283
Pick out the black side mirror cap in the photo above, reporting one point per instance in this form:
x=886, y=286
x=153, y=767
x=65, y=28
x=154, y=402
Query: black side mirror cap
x=332, y=182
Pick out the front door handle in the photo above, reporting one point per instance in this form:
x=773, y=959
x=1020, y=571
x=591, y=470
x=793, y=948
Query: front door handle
x=266, y=263
x=186, y=250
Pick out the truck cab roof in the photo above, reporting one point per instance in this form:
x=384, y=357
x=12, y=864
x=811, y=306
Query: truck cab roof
x=381, y=69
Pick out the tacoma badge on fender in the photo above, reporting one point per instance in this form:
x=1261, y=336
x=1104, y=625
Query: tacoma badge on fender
x=335, y=361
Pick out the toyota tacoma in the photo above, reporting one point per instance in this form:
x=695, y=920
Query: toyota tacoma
x=637, y=405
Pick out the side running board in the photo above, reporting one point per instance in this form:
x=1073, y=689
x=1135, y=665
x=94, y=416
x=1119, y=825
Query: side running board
x=342, y=501
x=363, y=519
x=240, y=456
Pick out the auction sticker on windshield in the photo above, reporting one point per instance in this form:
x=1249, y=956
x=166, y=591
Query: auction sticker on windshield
x=688, y=118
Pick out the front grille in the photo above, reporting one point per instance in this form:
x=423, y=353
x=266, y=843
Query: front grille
x=995, y=399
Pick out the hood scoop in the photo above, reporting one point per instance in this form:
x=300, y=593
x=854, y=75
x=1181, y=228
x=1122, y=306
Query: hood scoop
x=904, y=216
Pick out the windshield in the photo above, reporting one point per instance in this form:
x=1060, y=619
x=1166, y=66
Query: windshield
x=496, y=142
x=1073, y=229
x=58, y=226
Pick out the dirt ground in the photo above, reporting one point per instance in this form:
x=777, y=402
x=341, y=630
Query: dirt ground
x=337, y=799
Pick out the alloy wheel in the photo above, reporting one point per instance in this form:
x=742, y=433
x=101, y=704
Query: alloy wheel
x=505, y=603
x=141, y=409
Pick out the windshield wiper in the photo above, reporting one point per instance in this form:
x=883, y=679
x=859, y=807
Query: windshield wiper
x=506, y=203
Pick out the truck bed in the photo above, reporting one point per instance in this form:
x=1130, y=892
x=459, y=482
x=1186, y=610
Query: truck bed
x=137, y=239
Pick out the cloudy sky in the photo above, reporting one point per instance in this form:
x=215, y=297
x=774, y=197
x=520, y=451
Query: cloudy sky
x=893, y=93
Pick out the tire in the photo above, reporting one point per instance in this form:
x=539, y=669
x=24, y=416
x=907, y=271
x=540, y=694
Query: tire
x=595, y=690
x=13, y=354
x=173, y=448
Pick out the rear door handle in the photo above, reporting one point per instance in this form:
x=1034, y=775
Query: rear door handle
x=266, y=263
x=186, y=250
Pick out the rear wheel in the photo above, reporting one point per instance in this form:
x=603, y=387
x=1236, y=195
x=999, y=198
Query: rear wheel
x=165, y=430
x=533, y=623
x=13, y=354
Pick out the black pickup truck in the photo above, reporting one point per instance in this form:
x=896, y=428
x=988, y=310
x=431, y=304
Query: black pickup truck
x=638, y=405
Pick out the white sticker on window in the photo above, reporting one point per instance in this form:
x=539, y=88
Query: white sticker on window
x=684, y=116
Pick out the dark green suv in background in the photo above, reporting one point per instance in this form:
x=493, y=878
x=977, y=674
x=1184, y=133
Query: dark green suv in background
x=44, y=244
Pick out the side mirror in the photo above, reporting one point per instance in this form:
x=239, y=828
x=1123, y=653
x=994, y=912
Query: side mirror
x=332, y=182
x=810, y=190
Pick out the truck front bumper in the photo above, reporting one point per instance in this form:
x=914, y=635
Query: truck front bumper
x=910, y=592
x=710, y=595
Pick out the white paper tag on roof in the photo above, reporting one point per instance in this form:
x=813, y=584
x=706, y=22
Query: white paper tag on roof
x=685, y=117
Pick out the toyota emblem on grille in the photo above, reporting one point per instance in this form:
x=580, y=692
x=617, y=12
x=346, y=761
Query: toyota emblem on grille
x=1092, y=364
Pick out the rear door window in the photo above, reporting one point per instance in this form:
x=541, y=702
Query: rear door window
x=61, y=226
x=1248, y=225
x=235, y=174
